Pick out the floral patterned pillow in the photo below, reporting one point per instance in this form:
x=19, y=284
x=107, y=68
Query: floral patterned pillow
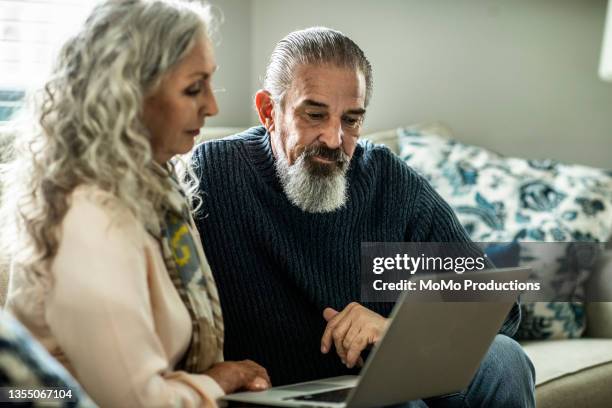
x=504, y=199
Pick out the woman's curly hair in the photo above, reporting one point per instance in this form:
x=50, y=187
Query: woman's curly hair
x=89, y=129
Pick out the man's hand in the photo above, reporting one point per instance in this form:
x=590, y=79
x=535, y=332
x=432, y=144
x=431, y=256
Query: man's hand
x=235, y=375
x=351, y=331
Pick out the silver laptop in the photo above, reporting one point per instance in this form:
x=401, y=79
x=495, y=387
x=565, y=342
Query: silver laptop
x=431, y=348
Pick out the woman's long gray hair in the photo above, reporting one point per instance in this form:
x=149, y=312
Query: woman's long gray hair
x=89, y=128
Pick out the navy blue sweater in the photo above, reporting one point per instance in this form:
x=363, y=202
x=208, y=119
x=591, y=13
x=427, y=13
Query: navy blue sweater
x=277, y=267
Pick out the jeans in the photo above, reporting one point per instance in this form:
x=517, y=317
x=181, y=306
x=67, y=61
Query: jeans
x=505, y=379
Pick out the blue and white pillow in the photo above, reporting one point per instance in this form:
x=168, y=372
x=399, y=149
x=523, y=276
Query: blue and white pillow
x=503, y=199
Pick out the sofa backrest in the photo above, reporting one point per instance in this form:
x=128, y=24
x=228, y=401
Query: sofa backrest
x=385, y=137
x=599, y=314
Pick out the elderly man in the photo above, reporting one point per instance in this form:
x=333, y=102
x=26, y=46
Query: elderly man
x=286, y=206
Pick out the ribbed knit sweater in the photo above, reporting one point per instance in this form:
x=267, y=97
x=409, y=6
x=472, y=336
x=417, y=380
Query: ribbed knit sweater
x=277, y=267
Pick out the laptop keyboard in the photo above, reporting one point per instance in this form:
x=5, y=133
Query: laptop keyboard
x=328, y=396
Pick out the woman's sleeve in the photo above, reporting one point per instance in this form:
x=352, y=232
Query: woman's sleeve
x=100, y=312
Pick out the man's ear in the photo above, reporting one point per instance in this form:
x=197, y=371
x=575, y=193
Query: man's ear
x=265, y=109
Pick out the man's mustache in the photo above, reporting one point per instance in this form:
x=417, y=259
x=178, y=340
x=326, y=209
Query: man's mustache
x=336, y=155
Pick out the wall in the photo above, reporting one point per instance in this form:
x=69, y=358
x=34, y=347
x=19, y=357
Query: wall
x=233, y=52
x=519, y=76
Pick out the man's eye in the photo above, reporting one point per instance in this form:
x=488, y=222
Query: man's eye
x=353, y=122
x=315, y=116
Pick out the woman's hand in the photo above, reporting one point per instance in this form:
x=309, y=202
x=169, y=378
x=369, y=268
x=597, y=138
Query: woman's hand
x=235, y=375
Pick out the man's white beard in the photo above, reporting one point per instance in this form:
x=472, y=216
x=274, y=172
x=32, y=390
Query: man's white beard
x=313, y=193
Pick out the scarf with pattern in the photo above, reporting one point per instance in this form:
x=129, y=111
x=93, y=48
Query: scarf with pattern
x=191, y=275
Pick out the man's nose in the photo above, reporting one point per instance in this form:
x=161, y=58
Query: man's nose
x=332, y=135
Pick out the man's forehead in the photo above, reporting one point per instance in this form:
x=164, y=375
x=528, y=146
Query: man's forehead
x=320, y=77
x=324, y=85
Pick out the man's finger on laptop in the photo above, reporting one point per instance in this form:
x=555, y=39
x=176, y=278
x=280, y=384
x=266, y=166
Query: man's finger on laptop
x=332, y=317
x=328, y=314
x=339, y=334
x=351, y=335
x=334, y=320
x=354, y=353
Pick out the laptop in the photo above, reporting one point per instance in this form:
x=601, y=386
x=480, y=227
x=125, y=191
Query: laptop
x=431, y=348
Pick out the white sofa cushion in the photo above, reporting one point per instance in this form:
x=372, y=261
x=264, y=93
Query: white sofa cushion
x=556, y=358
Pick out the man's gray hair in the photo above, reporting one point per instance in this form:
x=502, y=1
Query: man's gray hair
x=313, y=46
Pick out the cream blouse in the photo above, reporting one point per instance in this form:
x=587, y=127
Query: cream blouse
x=109, y=312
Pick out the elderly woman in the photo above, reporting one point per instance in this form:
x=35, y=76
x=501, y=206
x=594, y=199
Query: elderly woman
x=108, y=271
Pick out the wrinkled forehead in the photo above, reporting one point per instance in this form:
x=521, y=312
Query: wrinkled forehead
x=328, y=84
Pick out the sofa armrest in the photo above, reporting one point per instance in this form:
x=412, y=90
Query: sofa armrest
x=388, y=138
x=599, y=314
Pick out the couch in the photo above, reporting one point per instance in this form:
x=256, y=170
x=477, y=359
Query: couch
x=569, y=372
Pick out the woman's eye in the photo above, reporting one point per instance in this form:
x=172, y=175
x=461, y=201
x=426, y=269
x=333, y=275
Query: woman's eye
x=194, y=89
